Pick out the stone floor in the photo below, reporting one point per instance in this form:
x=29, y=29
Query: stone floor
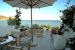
x=43, y=43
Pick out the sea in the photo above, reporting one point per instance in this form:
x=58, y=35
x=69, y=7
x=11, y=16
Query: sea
x=53, y=23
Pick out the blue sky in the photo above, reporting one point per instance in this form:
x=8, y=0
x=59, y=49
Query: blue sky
x=46, y=13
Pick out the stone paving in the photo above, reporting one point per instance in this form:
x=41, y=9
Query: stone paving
x=43, y=43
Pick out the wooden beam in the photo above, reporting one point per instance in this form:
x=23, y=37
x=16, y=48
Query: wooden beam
x=36, y=4
x=28, y=2
x=45, y=3
x=25, y=3
x=20, y=3
x=16, y=4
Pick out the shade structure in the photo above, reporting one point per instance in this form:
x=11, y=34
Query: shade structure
x=30, y=4
x=27, y=3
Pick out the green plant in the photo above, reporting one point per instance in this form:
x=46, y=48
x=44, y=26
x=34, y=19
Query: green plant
x=11, y=20
x=18, y=20
x=55, y=28
x=15, y=20
x=35, y=25
x=68, y=26
x=22, y=26
x=27, y=26
x=48, y=27
x=73, y=29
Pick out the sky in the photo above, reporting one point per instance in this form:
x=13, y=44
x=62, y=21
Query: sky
x=46, y=13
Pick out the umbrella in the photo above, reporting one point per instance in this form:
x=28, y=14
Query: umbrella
x=30, y=4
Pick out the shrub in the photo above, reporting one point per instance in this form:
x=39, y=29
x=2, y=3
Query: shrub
x=11, y=20
x=47, y=26
x=54, y=31
x=55, y=28
x=35, y=25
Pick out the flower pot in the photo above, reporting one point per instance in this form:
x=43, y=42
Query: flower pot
x=59, y=42
x=67, y=48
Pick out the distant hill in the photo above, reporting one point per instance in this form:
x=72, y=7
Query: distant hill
x=3, y=17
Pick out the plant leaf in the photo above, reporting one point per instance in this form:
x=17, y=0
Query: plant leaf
x=67, y=2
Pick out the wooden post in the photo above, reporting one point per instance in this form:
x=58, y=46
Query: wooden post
x=31, y=22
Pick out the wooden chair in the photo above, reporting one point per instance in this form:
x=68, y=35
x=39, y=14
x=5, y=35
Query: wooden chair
x=39, y=33
x=26, y=43
x=4, y=37
x=14, y=45
x=20, y=45
x=22, y=34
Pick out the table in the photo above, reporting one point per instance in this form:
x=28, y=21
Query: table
x=6, y=41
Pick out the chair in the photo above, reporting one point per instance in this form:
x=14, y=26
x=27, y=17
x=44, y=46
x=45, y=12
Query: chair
x=4, y=37
x=15, y=47
x=13, y=44
x=39, y=33
x=16, y=35
x=22, y=34
x=20, y=45
x=26, y=43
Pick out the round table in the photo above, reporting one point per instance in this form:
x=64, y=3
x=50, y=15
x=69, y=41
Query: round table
x=9, y=39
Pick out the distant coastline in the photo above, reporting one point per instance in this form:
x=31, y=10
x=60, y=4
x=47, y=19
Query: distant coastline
x=3, y=18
